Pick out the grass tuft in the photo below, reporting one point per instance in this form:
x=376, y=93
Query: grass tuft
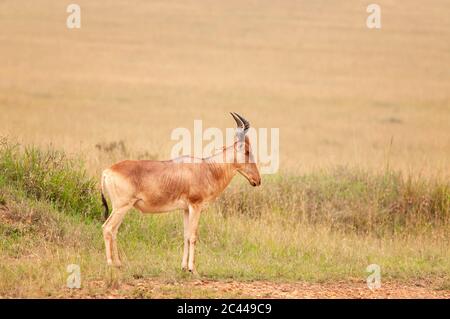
x=50, y=176
x=346, y=199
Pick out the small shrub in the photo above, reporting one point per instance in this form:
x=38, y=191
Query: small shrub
x=50, y=176
x=118, y=150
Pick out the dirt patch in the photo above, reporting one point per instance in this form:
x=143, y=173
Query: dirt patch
x=155, y=288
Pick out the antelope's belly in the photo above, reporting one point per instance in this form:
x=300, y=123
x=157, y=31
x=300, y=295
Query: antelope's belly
x=152, y=207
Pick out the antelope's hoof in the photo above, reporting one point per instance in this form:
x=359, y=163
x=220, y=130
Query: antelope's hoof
x=193, y=272
x=116, y=264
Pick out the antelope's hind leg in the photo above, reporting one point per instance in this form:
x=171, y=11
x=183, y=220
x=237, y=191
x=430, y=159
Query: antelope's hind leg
x=110, y=229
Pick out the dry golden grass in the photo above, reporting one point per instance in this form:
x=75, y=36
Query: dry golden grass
x=137, y=69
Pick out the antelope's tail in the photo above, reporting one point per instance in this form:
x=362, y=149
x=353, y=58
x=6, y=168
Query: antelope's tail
x=105, y=203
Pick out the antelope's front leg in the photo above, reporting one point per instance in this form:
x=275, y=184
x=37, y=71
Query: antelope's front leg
x=184, y=262
x=194, y=217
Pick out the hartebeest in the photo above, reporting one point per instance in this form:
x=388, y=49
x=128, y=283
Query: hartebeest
x=186, y=183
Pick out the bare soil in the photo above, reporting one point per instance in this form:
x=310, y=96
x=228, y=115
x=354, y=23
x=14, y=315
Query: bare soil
x=156, y=288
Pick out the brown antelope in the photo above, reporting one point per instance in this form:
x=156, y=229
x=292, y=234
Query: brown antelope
x=186, y=183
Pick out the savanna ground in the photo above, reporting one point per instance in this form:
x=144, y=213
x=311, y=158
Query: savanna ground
x=364, y=145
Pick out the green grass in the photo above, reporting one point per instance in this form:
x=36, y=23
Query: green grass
x=319, y=227
x=50, y=176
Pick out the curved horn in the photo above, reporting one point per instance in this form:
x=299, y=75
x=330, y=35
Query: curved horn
x=245, y=122
x=239, y=122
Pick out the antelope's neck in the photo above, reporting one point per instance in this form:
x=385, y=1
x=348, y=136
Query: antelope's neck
x=220, y=170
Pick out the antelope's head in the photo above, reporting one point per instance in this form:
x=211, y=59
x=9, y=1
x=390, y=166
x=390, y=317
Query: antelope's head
x=244, y=160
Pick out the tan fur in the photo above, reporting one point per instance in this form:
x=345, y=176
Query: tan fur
x=184, y=183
